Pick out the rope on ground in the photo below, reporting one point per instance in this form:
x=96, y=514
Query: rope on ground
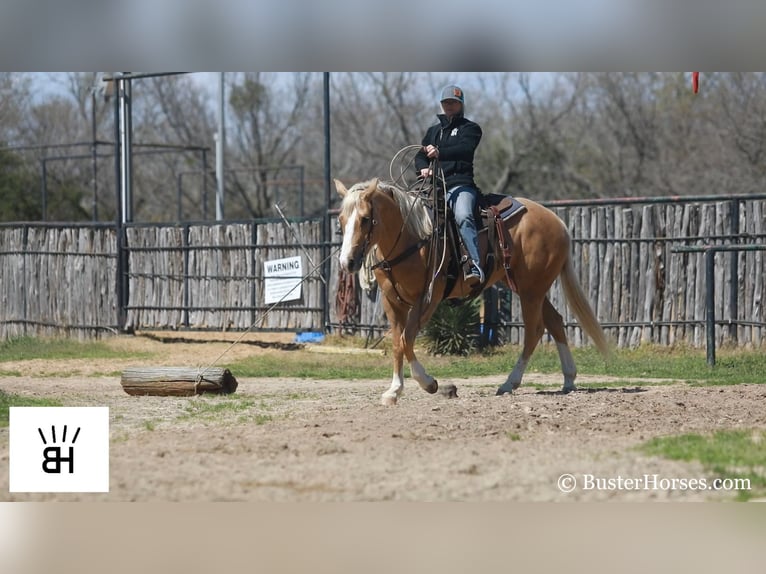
x=262, y=318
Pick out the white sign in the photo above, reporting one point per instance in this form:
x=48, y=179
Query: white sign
x=282, y=279
x=59, y=449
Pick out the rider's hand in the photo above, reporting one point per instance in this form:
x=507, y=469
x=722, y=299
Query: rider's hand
x=426, y=173
x=431, y=151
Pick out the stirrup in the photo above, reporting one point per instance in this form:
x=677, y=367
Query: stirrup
x=476, y=274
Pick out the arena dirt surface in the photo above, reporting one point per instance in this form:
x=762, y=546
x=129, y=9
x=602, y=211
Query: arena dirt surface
x=308, y=440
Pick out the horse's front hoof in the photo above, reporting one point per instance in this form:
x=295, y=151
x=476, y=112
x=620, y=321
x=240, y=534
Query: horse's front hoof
x=448, y=391
x=566, y=390
x=432, y=388
x=502, y=391
x=388, y=401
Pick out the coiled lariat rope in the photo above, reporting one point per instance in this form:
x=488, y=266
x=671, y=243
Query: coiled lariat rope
x=345, y=298
x=423, y=190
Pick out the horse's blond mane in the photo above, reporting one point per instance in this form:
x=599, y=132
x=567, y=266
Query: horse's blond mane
x=417, y=218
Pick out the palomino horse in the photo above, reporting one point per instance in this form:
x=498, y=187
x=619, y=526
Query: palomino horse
x=390, y=226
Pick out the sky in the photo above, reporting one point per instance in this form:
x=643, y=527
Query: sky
x=292, y=35
x=46, y=83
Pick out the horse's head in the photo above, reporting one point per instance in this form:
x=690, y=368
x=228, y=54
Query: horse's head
x=356, y=222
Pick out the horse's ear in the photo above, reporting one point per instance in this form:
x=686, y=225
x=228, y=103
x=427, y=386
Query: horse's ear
x=340, y=187
x=373, y=184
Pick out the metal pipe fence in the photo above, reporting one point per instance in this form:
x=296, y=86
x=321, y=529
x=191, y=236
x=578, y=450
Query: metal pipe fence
x=643, y=266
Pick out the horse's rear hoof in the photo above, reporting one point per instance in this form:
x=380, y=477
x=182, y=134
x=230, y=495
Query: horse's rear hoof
x=448, y=391
x=432, y=388
x=501, y=391
x=567, y=390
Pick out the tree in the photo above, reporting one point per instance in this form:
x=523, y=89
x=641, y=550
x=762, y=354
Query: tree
x=176, y=113
x=740, y=127
x=17, y=203
x=375, y=115
x=267, y=129
x=14, y=98
x=546, y=136
x=530, y=132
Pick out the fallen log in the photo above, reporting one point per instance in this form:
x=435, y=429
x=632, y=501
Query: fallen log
x=177, y=381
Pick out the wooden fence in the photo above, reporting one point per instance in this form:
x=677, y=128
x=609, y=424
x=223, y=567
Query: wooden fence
x=62, y=280
x=57, y=280
x=641, y=291
x=211, y=277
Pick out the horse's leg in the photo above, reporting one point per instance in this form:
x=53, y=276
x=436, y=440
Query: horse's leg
x=427, y=382
x=415, y=320
x=397, y=320
x=393, y=393
x=418, y=371
x=531, y=311
x=555, y=325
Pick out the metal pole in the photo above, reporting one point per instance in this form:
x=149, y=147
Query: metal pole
x=125, y=123
x=121, y=264
x=326, y=227
x=204, y=185
x=43, y=189
x=710, y=251
x=219, y=150
x=710, y=305
x=94, y=151
x=117, y=155
x=301, y=171
x=179, y=210
x=126, y=110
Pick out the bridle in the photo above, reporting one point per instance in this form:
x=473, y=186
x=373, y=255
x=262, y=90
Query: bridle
x=387, y=264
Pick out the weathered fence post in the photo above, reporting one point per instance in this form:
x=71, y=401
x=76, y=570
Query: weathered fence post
x=710, y=305
x=185, y=269
x=733, y=273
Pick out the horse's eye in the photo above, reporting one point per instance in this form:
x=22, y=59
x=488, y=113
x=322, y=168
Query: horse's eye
x=365, y=220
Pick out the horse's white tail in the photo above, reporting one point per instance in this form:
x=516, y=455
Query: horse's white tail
x=582, y=309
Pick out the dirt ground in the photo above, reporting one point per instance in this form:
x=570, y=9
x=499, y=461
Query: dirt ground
x=308, y=440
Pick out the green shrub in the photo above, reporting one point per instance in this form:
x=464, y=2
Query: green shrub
x=453, y=330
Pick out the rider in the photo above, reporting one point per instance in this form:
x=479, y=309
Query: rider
x=453, y=141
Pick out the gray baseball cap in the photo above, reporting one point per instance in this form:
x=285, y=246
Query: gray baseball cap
x=452, y=92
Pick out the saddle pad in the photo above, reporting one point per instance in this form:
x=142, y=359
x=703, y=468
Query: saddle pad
x=506, y=205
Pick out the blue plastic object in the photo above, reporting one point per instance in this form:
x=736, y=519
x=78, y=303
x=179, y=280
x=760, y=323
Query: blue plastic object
x=309, y=337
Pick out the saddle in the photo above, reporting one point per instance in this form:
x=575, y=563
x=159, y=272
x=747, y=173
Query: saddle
x=494, y=210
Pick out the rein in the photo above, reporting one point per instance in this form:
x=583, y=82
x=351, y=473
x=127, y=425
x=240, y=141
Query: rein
x=387, y=264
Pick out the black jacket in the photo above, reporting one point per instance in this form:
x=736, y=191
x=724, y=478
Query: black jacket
x=457, y=141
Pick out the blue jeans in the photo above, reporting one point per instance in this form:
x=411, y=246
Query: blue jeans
x=462, y=201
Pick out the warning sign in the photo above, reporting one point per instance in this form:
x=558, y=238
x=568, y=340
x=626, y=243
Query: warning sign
x=282, y=279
